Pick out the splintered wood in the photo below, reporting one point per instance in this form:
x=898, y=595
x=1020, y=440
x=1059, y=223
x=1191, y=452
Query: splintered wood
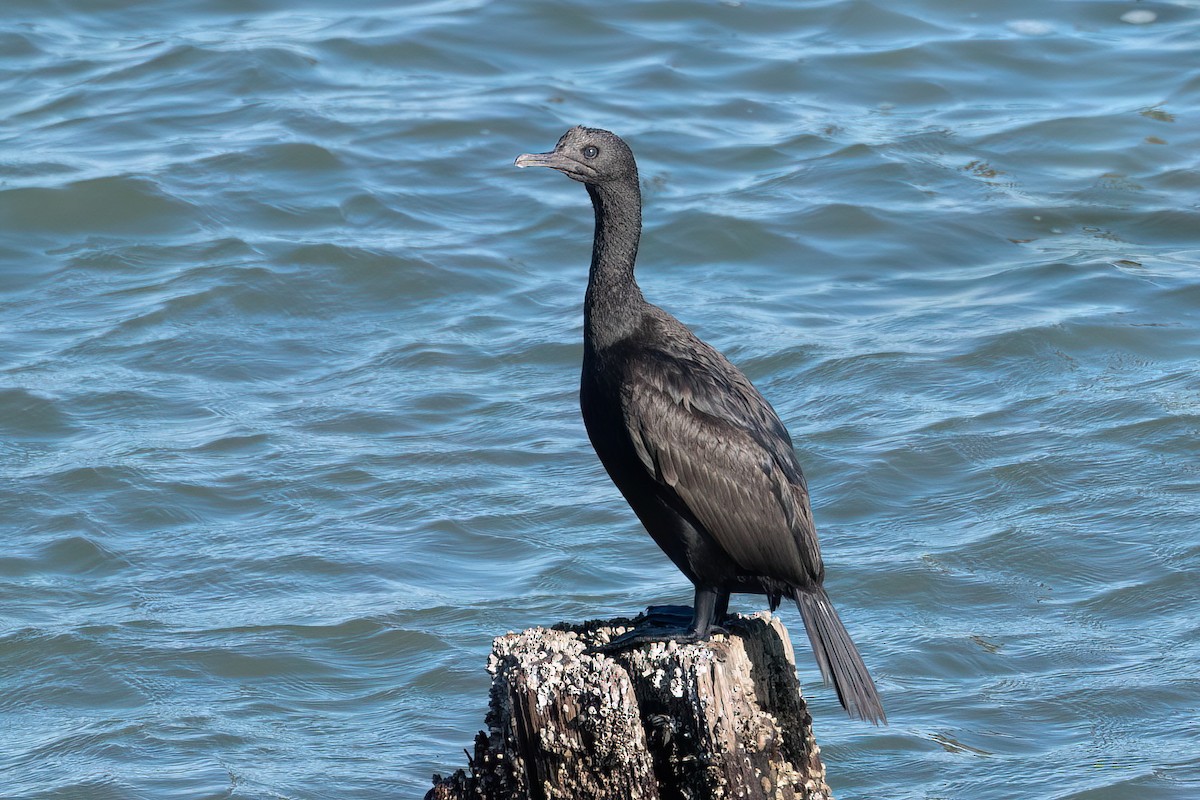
x=722, y=718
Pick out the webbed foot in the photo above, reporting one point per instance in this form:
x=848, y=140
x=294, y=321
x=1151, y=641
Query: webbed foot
x=660, y=624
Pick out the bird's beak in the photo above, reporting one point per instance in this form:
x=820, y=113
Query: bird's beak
x=551, y=159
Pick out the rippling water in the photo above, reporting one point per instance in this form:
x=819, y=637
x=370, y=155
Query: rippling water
x=289, y=352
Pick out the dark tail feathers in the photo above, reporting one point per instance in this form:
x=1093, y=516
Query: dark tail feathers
x=837, y=656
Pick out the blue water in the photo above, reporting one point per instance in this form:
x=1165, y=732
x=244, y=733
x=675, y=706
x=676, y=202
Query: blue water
x=289, y=356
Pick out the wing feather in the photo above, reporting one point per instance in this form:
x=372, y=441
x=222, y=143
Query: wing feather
x=701, y=429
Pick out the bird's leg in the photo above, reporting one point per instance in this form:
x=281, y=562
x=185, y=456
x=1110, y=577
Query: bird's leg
x=704, y=611
x=721, y=612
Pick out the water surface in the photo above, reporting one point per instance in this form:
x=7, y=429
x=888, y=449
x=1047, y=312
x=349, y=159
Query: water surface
x=289, y=355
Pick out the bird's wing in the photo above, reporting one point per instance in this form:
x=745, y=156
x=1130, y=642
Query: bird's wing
x=700, y=428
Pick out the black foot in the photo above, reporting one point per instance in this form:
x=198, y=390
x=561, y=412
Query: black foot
x=659, y=624
x=666, y=616
x=676, y=616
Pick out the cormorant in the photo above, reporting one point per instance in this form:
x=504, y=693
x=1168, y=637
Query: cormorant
x=699, y=454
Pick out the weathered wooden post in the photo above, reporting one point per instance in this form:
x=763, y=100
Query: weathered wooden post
x=722, y=718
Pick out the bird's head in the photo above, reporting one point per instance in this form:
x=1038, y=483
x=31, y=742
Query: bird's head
x=588, y=155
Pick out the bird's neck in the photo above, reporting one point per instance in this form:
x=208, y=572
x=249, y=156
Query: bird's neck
x=614, y=304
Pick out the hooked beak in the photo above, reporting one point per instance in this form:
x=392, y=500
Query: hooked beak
x=551, y=159
x=557, y=159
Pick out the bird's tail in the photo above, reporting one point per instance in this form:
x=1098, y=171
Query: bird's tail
x=837, y=656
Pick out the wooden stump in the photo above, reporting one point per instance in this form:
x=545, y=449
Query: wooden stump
x=718, y=719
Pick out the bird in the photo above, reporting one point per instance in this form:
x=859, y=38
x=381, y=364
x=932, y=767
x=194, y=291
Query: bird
x=699, y=454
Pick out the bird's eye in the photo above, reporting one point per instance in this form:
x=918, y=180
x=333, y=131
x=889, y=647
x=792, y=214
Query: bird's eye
x=591, y=151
